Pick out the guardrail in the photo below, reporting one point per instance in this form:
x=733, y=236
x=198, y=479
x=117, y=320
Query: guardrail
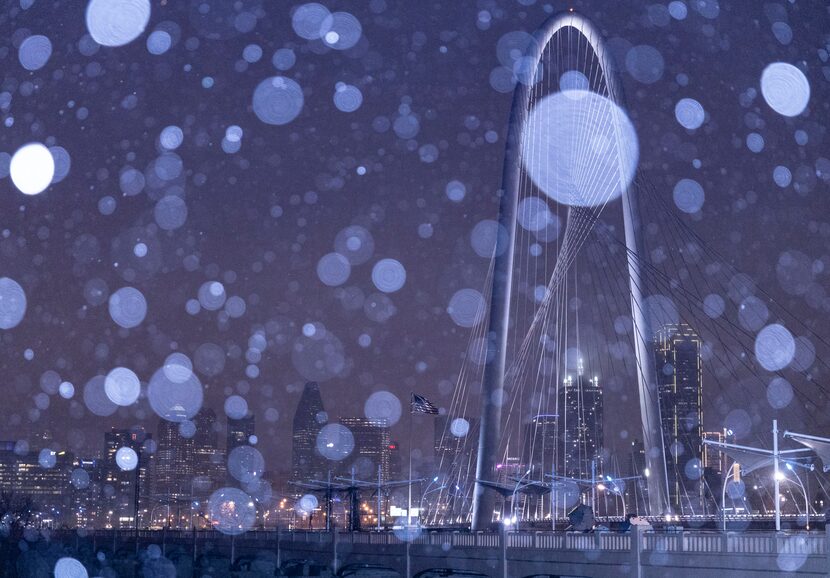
x=702, y=542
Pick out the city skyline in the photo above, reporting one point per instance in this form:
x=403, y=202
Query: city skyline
x=286, y=273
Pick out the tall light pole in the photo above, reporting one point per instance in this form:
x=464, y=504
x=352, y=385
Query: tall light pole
x=776, y=475
x=804, y=491
x=513, y=499
x=425, y=492
x=729, y=472
x=424, y=495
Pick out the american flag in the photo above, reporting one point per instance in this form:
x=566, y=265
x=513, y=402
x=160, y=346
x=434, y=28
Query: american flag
x=420, y=404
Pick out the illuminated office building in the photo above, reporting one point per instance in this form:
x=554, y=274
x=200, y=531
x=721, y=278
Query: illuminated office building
x=680, y=392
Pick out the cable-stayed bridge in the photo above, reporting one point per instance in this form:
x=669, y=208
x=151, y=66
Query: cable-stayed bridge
x=598, y=284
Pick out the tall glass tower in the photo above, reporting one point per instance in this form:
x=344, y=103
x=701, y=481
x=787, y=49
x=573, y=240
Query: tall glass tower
x=680, y=391
x=309, y=418
x=580, y=425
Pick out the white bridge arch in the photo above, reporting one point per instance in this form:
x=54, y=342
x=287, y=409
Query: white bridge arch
x=493, y=381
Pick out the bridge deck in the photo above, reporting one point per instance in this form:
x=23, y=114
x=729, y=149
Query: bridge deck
x=698, y=554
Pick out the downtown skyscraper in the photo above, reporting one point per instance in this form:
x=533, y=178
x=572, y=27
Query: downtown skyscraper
x=680, y=391
x=173, y=486
x=125, y=492
x=209, y=460
x=240, y=431
x=372, y=450
x=581, y=432
x=309, y=417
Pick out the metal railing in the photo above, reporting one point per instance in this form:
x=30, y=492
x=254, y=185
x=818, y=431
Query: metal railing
x=703, y=542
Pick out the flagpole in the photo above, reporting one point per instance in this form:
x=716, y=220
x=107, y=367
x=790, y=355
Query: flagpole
x=409, y=503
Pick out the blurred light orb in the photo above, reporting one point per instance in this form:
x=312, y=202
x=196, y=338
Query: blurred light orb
x=456, y=191
x=46, y=458
x=63, y=162
x=335, y=442
x=187, y=429
x=96, y=291
x=755, y=142
x=32, y=168
x=278, y=100
x=127, y=307
x=236, y=407
x=131, y=181
x=460, y=427
x=678, y=10
x=126, y=458
x=66, y=390
x=307, y=20
x=688, y=196
x=232, y=511
x=307, y=504
x=693, y=469
x=388, y=275
x=170, y=212
x=12, y=303
x=534, y=214
x=235, y=307
x=774, y=347
x=283, y=59
x=252, y=53
x=488, y=238
x=383, y=406
x=805, y=354
x=177, y=367
x=79, y=478
x=355, y=243
x=70, y=568
x=512, y=46
x=246, y=464
x=573, y=80
x=466, y=307
x=340, y=30
x=333, y=269
x=122, y=386
x=34, y=52
x=713, y=305
x=575, y=129
x=96, y=399
x=117, y=22
x=644, y=63
x=159, y=42
x=689, y=113
x=779, y=393
x=176, y=402
x=209, y=359
x=171, y=137
x=782, y=176
x=347, y=98
x=785, y=88
x=212, y=295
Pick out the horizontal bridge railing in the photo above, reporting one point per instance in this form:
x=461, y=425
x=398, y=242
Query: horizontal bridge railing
x=702, y=542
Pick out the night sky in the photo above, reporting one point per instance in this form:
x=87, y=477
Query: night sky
x=266, y=202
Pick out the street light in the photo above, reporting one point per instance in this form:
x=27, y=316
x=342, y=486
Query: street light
x=421, y=501
x=513, y=499
x=729, y=472
x=424, y=495
x=617, y=491
x=804, y=490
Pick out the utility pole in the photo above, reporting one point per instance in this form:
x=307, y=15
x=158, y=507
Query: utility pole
x=776, y=475
x=380, y=481
x=594, y=486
